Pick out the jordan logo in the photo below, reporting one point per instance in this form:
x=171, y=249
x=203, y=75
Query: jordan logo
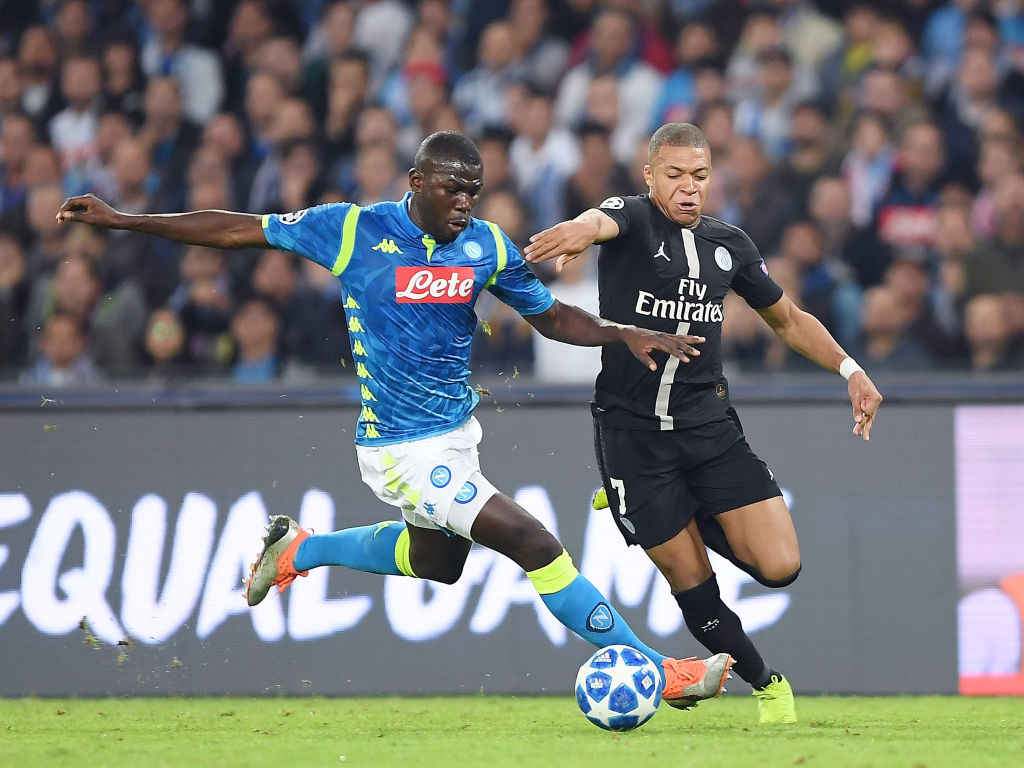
x=661, y=252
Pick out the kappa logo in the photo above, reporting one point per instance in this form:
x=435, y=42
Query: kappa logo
x=292, y=218
x=440, y=476
x=723, y=258
x=613, y=203
x=661, y=252
x=600, y=619
x=387, y=246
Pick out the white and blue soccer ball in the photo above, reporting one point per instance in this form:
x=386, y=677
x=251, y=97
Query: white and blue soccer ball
x=618, y=688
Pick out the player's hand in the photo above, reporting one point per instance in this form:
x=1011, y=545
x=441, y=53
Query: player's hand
x=564, y=241
x=865, y=398
x=642, y=342
x=89, y=209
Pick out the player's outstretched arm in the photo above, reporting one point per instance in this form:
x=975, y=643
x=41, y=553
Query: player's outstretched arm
x=215, y=229
x=572, y=325
x=568, y=239
x=804, y=332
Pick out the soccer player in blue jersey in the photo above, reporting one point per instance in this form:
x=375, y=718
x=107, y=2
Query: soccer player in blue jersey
x=411, y=272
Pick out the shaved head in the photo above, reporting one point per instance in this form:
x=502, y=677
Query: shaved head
x=676, y=135
x=447, y=146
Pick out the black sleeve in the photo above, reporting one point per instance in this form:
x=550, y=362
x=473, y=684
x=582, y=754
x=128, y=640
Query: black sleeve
x=752, y=281
x=621, y=210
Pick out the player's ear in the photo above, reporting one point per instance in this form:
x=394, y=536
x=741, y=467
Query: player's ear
x=648, y=176
x=415, y=179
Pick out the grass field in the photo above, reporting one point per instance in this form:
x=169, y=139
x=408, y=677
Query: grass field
x=491, y=731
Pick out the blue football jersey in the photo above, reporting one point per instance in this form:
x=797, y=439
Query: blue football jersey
x=410, y=307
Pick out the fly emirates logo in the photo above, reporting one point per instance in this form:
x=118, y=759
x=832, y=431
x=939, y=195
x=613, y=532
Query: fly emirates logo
x=690, y=307
x=434, y=285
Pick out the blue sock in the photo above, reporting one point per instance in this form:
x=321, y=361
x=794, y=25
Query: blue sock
x=583, y=609
x=371, y=548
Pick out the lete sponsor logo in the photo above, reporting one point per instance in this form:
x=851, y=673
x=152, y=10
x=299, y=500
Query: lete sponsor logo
x=434, y=285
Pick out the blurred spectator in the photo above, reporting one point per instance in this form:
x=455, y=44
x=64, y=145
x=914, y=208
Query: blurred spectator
x=428, y=94
x=697, y=42
x=557, y=363
x=943, y=39
x=996, y=160
x=347, y=87
x=424, y=56
x=810, y=154
x=45, y=237
x=17, y=135
x=996, y=264
x=387, y=23
x=504, y=208
x=330, y=40
x=994, y=345
x=494, y=146
x=165, y=345
x=255, y=328
x=973, y=92
x=763, y=209
x=225, y=134
x=868, y=166
x=73, y=129
x=123, y=84
x=543, y=156
x=202, y=302
x=111, y=129
x=827, y=289
x=196, y=70
x=599, y=175
x=480, y=93
x=63, y=357
x=602, y=109
x=543, y=55
x=847, y=62
x=766, y=115
x=809, y=34
x=886, y=343
x=645, y=42
x=10, y=85
x=829, y=207
x=170, y=138
x=610, y=53
x=114, y=319
x=910, y=276
x=906, y=215
x=377, y=177
x=760, y=34
x=37, y=65
x=953, y=241
x=13, y=303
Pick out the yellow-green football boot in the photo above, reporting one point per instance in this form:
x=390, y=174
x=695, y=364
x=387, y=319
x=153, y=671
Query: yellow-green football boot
x=775, y=702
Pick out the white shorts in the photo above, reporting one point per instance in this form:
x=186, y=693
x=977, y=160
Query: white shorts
x=435, y=481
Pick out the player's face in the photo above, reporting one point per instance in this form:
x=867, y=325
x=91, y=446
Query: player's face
x=444, y=195
x=678, y=178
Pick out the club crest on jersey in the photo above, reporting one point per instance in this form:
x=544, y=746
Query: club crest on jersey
x=613, y=203
x=292, y=218
x=434, y=285
x=723, y=258
x=472, y=250
x=440, y=476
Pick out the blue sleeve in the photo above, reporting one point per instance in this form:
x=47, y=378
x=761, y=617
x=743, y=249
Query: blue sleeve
x=518, y=287
x=315, y=233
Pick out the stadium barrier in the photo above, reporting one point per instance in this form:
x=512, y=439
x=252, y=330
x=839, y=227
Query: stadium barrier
x=125, y=533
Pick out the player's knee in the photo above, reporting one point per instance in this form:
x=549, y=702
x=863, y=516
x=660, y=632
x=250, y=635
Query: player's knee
x=779, y=575
x=445, y=572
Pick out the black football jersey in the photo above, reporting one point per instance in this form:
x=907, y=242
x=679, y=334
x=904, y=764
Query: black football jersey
x=656, y=274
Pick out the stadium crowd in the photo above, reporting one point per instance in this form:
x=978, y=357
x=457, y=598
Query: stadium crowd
x=873, y=151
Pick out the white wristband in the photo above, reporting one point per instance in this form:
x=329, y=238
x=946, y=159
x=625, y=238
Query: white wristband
x=849, y=367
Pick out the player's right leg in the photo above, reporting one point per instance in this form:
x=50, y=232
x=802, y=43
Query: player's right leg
x=507, y=528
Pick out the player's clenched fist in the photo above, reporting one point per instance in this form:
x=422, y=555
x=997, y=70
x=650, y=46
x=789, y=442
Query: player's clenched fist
x=88, y=209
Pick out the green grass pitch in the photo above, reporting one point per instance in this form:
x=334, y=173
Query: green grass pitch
x=495, y=731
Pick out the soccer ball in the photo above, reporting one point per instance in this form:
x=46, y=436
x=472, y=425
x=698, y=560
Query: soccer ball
x=618, y=688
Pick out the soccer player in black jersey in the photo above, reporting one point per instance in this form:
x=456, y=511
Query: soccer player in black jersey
x=676, y=469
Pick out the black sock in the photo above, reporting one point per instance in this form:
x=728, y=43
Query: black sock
x=719, y=630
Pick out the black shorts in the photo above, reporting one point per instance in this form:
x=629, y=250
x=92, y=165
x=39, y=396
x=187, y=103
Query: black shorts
x=665, y=479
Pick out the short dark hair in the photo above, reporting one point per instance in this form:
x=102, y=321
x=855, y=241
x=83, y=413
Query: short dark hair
x=447, y=145
x=676, y=135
